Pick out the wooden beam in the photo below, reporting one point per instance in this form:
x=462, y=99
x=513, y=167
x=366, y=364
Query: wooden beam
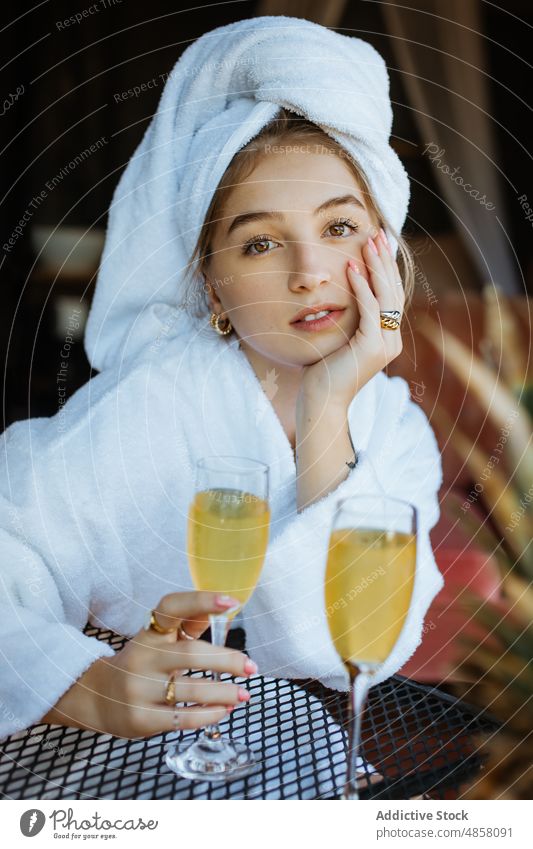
x=329, y=13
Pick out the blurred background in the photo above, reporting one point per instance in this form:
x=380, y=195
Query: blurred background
x=80, y=83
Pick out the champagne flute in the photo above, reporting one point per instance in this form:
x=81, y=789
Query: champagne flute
x=228, y=528
x=369, y=583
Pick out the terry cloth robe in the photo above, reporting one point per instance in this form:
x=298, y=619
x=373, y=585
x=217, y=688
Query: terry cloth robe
x=94, y=503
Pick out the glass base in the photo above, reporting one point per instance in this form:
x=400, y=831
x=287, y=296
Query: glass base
x=349, y=793
x=205, y=760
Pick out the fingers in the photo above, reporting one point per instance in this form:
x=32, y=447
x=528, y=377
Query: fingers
x=198, y=716
x=156, y=719
x=202, y=691
x=385, y=253
x=383, y=277
x=397, y=277
x=382, y=274
x=379, y=345
x=161, y=654
x=367, y=303
x=192, y=608
x=395, y=289
x=135, y=703
x=199, y=654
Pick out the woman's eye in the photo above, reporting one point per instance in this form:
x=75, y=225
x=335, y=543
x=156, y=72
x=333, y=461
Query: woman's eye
x=264, y=240
x=247, y=248
x=344, y=222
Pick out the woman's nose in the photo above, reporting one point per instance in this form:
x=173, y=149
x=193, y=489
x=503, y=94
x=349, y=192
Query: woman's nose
x=310, y=268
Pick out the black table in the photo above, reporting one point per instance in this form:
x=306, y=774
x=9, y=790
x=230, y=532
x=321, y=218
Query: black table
x=417, y=741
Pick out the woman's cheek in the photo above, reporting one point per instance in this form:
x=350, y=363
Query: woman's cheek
x=248, y=317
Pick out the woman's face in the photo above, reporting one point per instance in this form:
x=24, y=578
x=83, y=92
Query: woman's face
x=266, y=270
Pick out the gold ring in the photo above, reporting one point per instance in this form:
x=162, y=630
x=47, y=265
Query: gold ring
x=170, y=692
x=183, y=633
x=390, y=319
x=153, y=625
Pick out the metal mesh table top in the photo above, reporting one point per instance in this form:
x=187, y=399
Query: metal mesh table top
x=416, y=740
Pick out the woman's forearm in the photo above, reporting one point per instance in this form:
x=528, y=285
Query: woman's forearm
x=323, y=448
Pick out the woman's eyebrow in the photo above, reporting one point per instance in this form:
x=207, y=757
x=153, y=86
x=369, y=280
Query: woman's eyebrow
x=247, y=217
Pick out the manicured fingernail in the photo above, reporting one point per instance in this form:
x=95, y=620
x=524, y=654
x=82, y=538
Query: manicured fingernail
x=225, y=601
x=353, y=265
x=250, y=667
x=372, y=245
x=229, y=708
x=244, y=695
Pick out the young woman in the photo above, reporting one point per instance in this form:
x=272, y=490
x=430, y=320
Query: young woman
x=324, y=253
x=95, y=499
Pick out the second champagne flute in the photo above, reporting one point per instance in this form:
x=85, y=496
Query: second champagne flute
x=369, y=583
x=228, y=528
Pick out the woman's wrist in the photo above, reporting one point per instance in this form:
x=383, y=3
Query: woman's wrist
x=80, y=706
x=324, y=451
x=313, y=406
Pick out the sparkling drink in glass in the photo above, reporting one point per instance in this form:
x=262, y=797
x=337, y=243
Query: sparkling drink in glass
x=227, y=539
x=369, y=582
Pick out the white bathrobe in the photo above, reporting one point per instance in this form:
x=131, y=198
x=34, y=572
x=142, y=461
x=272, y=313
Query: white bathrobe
x=94, y=502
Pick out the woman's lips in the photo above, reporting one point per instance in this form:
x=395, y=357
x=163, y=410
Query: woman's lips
x=319, y=323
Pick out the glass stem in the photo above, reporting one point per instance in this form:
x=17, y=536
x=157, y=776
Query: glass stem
x=357, y=705
x=219, y=628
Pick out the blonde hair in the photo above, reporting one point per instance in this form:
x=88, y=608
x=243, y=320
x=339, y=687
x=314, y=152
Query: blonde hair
x=285, y=126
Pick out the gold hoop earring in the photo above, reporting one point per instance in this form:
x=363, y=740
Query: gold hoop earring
x=214, y=321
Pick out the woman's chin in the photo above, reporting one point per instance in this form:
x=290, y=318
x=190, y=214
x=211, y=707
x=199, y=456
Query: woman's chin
x=301, y=352
x=319, y=349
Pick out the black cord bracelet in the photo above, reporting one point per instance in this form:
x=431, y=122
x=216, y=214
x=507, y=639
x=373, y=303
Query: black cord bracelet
x=354, y=463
